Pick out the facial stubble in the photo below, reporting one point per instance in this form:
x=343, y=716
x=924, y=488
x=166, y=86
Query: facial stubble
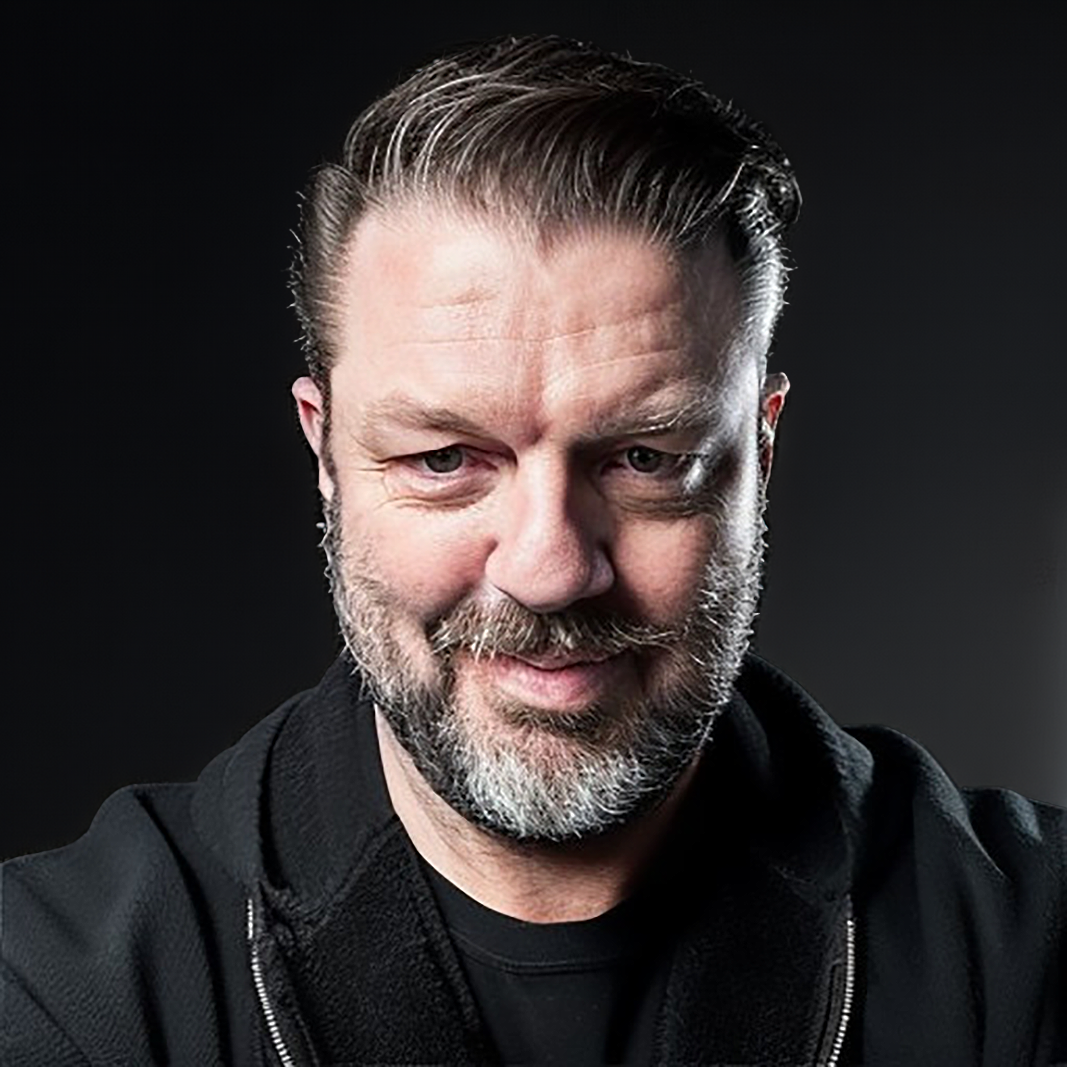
x=522, y=772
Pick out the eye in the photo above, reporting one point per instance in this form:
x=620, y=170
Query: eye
x=443, y=460
x=645, y=460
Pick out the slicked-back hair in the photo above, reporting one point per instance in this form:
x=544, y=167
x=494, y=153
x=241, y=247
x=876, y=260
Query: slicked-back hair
x=552, y=135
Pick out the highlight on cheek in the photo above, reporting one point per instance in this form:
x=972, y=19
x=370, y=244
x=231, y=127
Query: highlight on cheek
x=645, y=473
x=674, y=484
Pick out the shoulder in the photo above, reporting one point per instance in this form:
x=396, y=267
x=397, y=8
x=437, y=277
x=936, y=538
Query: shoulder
x=982, y=872
x=962, y=906
x=97, y=934
x=895, y=799
x=911, y=803
x=129, y=945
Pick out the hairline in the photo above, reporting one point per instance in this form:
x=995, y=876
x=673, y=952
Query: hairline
x=543, y=236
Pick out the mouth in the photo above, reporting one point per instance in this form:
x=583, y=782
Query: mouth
x=560, y=681
x=555, y=661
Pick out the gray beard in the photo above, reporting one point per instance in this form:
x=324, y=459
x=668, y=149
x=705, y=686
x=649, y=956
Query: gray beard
x=553, y=777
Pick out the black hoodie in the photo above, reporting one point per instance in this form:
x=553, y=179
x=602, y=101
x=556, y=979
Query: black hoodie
x=851, y=906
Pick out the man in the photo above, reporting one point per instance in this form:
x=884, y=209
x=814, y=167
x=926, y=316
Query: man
x=546, y=808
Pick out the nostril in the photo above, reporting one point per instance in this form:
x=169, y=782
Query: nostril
x=549, y=577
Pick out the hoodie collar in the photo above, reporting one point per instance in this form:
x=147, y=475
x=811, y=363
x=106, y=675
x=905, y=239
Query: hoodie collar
x=292, y=807
x=298, y=812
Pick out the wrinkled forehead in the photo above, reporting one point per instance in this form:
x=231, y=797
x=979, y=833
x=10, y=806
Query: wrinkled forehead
x=418, y=256
x=458, y=322
x=477, y=323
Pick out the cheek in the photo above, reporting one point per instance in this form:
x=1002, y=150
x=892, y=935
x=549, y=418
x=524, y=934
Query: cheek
x=427, y=561
x=660, y=566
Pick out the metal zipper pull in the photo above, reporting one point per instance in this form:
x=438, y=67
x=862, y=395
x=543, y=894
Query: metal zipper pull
x=846, y=998
x=261, y=992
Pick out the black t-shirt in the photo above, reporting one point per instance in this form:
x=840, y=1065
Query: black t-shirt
x=563, y=993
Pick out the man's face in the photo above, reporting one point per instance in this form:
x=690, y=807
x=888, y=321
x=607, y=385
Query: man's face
x=543, y=498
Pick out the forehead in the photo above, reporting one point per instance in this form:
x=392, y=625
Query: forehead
x=436, y=303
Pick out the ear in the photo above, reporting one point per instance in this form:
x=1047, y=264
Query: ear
x=772, y=398
x=311, y=409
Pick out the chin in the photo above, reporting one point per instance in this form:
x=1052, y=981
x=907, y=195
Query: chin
x=539, y=773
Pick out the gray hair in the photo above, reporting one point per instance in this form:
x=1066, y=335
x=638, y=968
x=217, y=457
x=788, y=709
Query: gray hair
x=552, y=135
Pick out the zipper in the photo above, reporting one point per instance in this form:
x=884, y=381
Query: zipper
x=846, y=999
x=261, y=992
x=287, y=1060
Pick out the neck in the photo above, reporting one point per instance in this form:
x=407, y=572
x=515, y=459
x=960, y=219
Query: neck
x=536, y=882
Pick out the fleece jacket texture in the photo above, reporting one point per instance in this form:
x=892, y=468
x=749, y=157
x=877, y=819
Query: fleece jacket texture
x=840, y=901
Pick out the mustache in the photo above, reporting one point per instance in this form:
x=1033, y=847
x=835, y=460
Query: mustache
x=506, y=628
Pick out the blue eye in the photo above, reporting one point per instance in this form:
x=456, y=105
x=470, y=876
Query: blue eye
x=645, y=460
x=443, y=460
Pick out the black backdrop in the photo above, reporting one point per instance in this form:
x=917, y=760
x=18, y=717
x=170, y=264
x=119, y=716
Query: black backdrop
x=164, y=587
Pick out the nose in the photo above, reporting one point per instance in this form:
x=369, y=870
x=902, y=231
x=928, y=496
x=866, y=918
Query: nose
x=551, y=546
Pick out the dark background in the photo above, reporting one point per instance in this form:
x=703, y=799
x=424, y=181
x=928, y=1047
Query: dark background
x=164, y=586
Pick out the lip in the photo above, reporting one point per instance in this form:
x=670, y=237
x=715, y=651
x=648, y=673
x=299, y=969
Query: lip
x=564, y=682
x=559, y=660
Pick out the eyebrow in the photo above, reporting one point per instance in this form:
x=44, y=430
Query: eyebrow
x=404, y=411
x=656, y=416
